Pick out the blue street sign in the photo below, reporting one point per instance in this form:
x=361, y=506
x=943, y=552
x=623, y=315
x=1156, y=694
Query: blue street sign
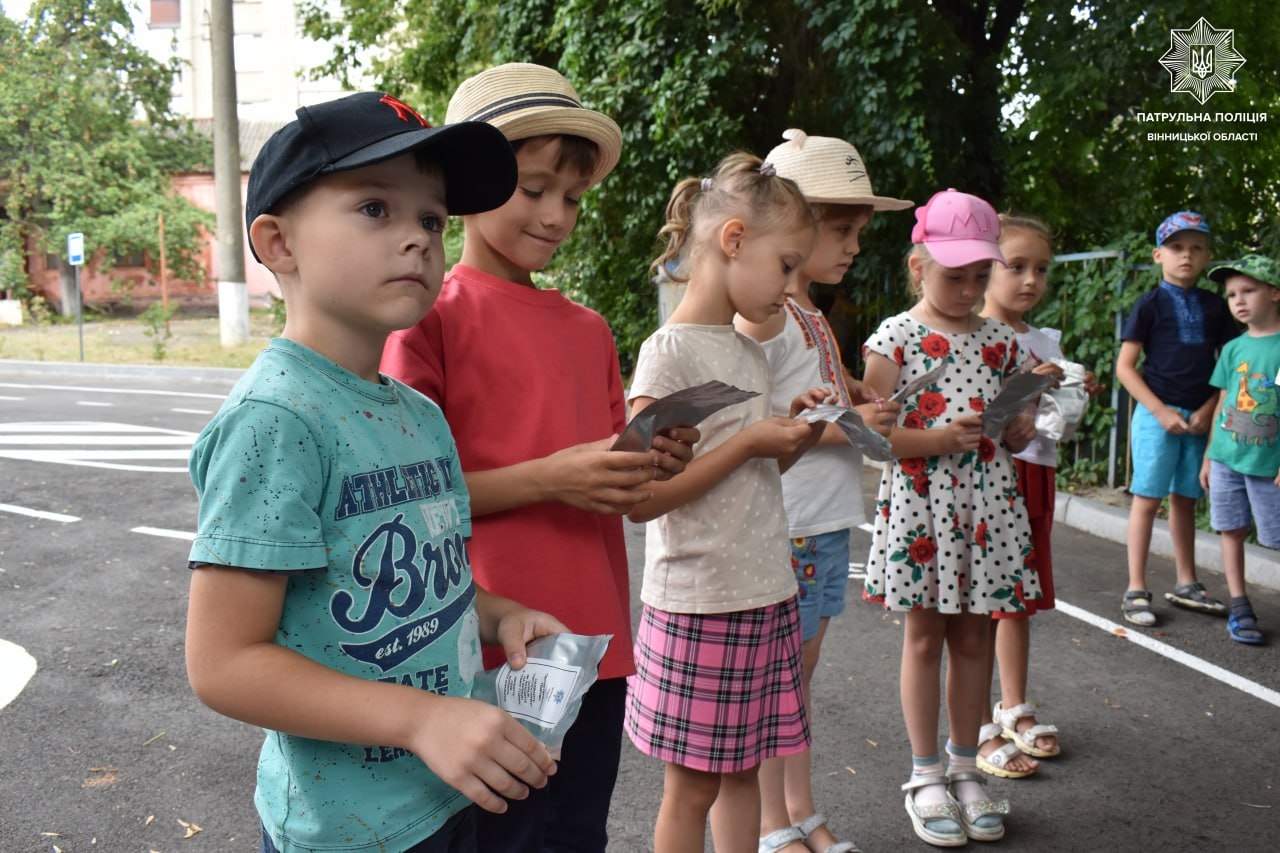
x=75, y=249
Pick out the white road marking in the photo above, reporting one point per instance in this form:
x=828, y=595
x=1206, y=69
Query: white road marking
x=192, y=411
x=161, y=531
x=15, y=399
x=1226, y=676
x=113, y=390
x=16, y=669
x=93, y=403
x=96, y=444
x=38, y=513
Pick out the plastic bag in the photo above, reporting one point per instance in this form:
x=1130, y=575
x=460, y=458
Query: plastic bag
x=545, y=694
x=1061, y=409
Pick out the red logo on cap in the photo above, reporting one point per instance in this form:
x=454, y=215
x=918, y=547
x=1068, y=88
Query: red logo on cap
x=403, y=110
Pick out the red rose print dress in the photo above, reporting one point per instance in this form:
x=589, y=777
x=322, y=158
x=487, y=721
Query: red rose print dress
x=950, y=531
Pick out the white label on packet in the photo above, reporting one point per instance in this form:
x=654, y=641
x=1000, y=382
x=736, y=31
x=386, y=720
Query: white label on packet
x=537, y=692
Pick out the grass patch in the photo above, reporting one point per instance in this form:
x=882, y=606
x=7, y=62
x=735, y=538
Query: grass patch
x=194, y=341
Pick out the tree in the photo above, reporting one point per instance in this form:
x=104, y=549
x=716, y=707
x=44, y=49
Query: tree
x=1034, y=104
x=88, y=142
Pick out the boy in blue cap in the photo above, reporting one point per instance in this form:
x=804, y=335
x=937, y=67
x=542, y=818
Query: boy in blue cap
x=1241, y=468
x=1177, y=329
x=332, y=602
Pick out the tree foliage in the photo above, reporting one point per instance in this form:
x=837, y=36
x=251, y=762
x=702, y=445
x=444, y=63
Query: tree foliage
x=88, y=142
x=1034, y=104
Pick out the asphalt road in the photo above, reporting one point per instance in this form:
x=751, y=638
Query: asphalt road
x=1169, y=745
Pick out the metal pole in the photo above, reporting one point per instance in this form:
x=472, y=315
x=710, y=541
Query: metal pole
x=233, y=292
x=79, y=310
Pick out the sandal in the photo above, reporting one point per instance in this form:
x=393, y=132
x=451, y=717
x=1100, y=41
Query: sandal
x=779, y=839
x=1194, y=597
x=1026, y=739
x=940, y=824
x=1136, y=607
x=815, y=820
x=997, y=762
x=1244, y=629
x=982, y=820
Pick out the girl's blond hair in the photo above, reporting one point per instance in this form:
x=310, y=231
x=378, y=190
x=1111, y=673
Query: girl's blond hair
x=1009, y=222
x=743, y=187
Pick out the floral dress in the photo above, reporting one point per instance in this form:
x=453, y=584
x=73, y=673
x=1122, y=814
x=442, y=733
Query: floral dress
x=950, y=531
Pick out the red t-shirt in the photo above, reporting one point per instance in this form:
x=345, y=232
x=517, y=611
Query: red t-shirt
x=520, y=374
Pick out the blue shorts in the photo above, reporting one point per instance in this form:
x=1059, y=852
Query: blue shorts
x=821, y=564
x=1163, y=462
x=1233, y=497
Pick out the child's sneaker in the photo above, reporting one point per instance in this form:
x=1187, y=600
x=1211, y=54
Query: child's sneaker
x=1193, y=597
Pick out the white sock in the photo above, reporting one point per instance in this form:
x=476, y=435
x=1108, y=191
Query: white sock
x=966, y=791
x=928, y=766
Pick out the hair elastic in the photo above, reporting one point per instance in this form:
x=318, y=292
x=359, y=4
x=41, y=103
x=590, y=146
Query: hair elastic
x=768, y=169
x=708, y=185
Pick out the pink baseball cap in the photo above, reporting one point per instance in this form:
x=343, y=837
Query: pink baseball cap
x=958, y=229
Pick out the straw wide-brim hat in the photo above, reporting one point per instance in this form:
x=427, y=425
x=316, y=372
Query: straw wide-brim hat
x=828, y=171
x=523, y=100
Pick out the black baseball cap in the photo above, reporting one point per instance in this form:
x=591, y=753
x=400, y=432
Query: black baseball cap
x=369, y=127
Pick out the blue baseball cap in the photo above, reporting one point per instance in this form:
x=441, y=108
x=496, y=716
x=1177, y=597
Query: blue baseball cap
x=1183, y=220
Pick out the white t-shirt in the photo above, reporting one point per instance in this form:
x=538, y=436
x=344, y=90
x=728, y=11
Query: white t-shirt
x=1040, y=345
x=822, y=491
x=727, y=551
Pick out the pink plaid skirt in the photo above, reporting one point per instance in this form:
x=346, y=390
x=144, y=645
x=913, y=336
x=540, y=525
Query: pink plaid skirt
x=718, y=692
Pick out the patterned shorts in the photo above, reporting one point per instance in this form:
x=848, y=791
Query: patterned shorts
x=718, y=692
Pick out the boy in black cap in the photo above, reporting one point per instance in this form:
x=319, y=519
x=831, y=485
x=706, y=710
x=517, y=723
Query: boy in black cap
x=332, y=601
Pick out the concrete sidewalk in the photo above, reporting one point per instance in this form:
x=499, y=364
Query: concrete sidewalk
x=1262, y=565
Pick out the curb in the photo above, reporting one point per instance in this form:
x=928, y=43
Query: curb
x=89, y=370
x=1261, y=565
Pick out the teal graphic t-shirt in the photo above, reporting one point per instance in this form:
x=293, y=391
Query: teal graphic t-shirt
x=354, y=490
x=1245, y=433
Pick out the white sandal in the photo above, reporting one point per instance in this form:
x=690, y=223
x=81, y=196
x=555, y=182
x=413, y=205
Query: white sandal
x=997, y=763
x=1026, y=739
x=815, y=820
x=940, y=813
x=779, y=839
x=975, y=810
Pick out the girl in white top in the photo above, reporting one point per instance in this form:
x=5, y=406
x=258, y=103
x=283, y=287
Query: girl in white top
x=1010, y=744
x=717, y=686
x=822, y=492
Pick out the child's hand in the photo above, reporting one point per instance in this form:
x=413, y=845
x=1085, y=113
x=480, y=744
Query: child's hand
x=519, y=626
x=963, y=434
x=776, y=438
x=1091, y=385
x=672, y=450
x=1204, y=475
x=594, y=478
x=1172, y=422
x=1019, y=432
x=481, y=751
x=880, y=415
x=859, y=391
x=1048, y=368
x=1200, y=421
x=809, y=399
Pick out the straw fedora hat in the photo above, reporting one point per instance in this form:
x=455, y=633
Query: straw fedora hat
x=524, y=100
x=828, y=171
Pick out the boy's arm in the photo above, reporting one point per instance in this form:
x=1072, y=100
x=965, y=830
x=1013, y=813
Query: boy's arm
x=510, y=624
x=1201, y=420
x=237, y=669
x=587, y=476
x=1216, y=401
x=1128, y=375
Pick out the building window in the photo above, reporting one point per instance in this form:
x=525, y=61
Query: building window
x=131, y=259
x=166, y=13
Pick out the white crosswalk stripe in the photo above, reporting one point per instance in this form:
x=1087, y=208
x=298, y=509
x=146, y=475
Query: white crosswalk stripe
x=96, y=444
